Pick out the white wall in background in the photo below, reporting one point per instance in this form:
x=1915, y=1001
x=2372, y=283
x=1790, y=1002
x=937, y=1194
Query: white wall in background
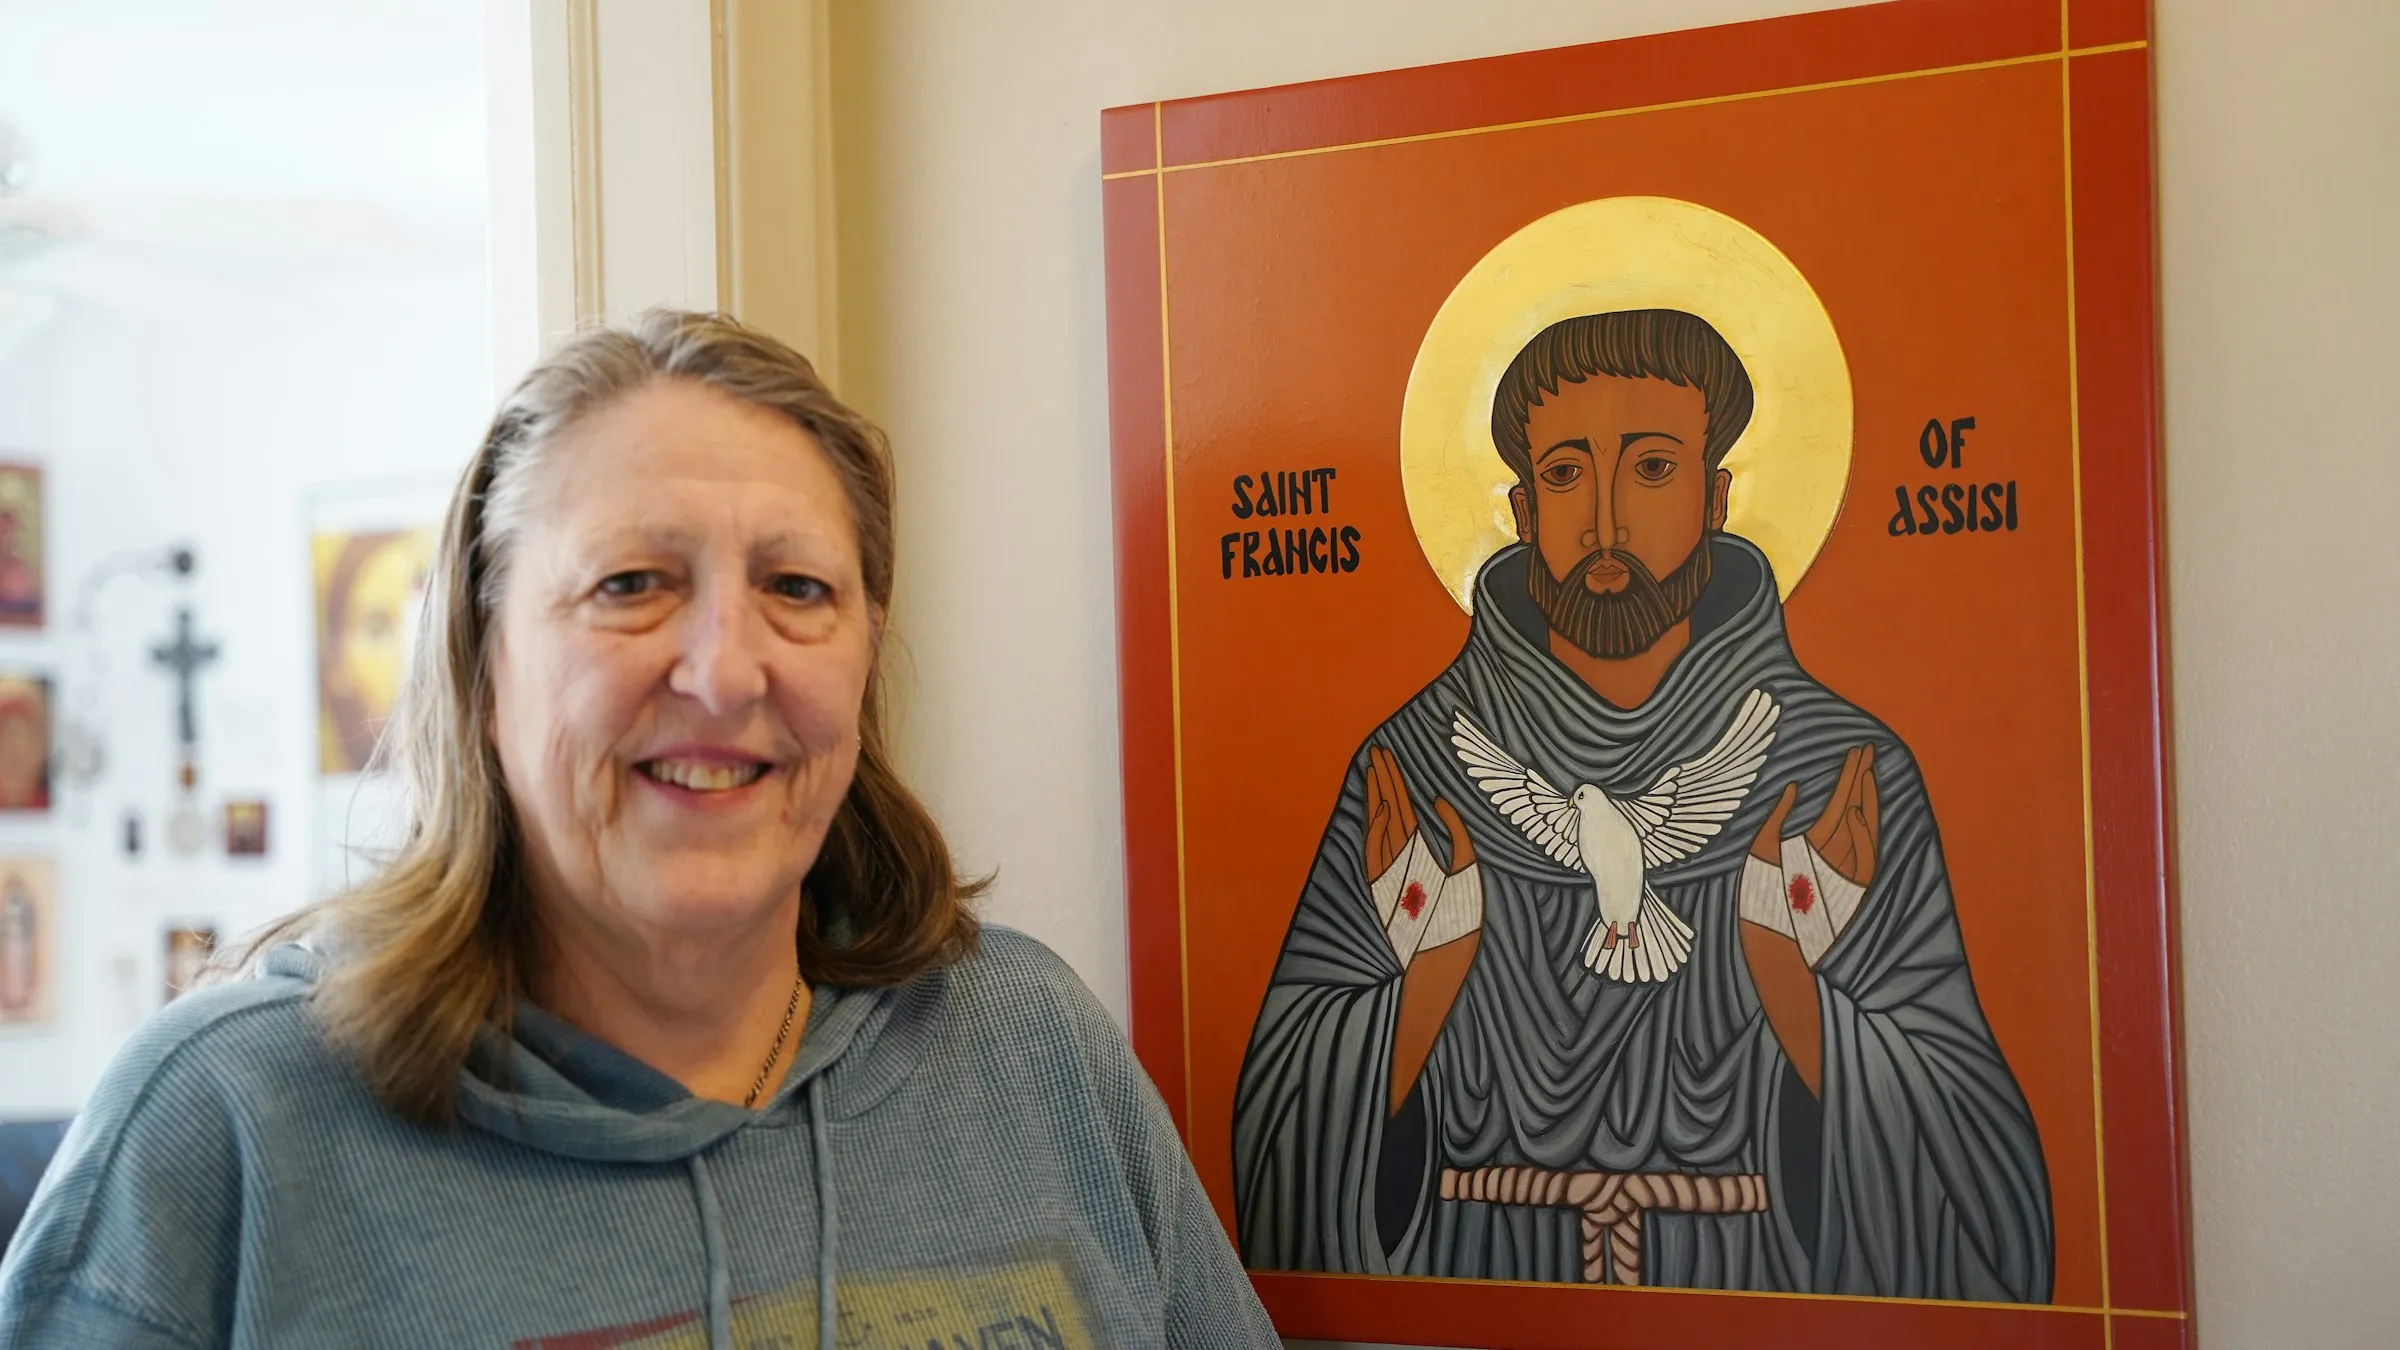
x=972, y=324
x=2279, y=187
x=277, y=287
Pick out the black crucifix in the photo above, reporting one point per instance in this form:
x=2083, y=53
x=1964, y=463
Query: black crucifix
x=185, y=656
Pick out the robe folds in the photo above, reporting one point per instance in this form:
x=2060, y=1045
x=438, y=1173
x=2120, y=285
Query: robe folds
x=1916, y=1173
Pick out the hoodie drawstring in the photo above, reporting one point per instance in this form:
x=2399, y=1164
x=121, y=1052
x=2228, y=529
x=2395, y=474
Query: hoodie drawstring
x=712, y=1245
x=712, y=1235
x=828, y=1225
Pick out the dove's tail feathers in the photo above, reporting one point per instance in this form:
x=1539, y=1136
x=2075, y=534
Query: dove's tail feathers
x=1602, y=957
x=1653, y=948
x=1665, y=935
x=1643, y=963
x=1654, y=916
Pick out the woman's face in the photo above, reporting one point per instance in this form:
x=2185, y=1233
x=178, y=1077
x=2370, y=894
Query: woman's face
x=679, y=659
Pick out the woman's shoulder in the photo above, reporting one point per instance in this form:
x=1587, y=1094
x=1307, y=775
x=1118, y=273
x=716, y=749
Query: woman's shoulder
x=1017, y=1015
x=1011, y=967
x=229, y=1041
x=1014, y=994
x=158, y=1149
x=1008, y=955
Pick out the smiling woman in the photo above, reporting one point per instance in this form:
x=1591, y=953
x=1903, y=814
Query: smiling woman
x=667, y=936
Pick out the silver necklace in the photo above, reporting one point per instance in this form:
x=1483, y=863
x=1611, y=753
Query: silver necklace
x=782, y=1034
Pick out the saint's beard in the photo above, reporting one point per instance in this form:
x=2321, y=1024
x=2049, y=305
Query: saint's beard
x=1615, y=625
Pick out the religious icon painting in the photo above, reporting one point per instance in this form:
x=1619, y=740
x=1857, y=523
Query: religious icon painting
x=1639, y=593
x=370, y=585
x=24, y=743
x=246, y=827
x=370, y=547
x=20, y=545
x=186, y=953
x=28, y=940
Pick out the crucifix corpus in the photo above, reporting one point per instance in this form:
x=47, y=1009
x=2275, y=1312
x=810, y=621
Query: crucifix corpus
x=185, y=655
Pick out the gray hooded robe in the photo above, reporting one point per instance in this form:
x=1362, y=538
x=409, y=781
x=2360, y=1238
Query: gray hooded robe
x=1918, y=1174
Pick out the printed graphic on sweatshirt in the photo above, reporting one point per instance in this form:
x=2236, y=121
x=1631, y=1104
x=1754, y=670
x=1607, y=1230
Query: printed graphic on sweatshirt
x=1021, y=1304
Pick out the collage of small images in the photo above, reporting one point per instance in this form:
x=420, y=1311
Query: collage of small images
x=28, y=885
x=29, y=946
x=30, y=915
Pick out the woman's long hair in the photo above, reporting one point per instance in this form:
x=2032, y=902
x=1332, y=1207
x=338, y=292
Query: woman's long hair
x=439, y=944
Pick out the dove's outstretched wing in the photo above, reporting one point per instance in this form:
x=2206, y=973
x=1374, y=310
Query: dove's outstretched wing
x=1691, y=801
x=1525, y=797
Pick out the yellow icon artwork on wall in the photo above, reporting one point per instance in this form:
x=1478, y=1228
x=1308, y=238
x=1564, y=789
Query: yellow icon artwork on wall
x=369, y=587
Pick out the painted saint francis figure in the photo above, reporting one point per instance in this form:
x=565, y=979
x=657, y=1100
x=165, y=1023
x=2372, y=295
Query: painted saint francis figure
x=1629, y=955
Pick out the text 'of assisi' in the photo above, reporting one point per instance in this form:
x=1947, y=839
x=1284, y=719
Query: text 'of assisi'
x=1952, y=507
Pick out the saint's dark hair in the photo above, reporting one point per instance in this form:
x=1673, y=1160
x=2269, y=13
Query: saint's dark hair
x=1665, y=344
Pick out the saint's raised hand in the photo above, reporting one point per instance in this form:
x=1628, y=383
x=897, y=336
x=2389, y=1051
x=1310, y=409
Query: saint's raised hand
x=1392, y=818
x=1845, y=834
x=1846, y=831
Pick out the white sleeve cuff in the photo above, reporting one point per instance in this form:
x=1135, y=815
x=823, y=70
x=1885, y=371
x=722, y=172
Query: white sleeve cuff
x=1389, y=887
x=1413, y=884
x=1457, y=910
x=1820, y=900
x=1420, y=906
x=1762, y=896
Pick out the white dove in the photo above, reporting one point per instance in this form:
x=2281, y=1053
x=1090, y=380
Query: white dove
x=1636, y=938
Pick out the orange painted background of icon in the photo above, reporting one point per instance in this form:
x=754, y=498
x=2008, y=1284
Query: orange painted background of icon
x=1914, y=166
x=1929, y=217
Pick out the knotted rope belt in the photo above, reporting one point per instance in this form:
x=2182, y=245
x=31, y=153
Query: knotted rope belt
x=1613, y=1204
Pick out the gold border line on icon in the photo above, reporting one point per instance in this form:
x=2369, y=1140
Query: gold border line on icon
x=2063, y=57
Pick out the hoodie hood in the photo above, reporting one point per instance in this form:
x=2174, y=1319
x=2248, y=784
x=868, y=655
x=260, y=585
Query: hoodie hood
x=557, y=1090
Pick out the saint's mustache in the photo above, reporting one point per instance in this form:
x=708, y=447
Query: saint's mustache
x=1634, y=567
x=1613, y=625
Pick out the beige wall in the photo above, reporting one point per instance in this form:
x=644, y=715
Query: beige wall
x=972, y=324
x=2279, y=149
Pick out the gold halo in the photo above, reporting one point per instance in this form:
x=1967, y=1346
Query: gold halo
x=1792, y=463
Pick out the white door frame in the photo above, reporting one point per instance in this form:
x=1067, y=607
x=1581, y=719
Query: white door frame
x=659, y=152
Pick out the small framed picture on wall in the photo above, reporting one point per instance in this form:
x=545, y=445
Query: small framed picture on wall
x=246, y=827
x=20, y=545
x=24, y=742
x=28, y=940
x=188, y=950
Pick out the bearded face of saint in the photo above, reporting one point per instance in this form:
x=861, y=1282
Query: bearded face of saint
x=1616, y=425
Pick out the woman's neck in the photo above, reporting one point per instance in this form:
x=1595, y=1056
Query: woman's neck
x=703, y=1011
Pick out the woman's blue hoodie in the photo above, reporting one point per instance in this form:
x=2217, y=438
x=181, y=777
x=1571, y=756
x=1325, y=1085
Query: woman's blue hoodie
x=974, y=1160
